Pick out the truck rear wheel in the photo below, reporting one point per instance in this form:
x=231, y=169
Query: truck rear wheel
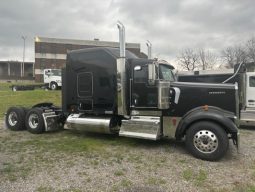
x=207, y=141
x=14, y=88
x=34, y=121
x=53, y=86
x=15, y=118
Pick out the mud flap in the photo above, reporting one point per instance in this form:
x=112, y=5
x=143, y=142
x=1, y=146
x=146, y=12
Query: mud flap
x=236, y=140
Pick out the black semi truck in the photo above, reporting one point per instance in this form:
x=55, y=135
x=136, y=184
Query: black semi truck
x=110, y=90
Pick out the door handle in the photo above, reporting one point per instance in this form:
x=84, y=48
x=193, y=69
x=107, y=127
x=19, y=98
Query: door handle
x=251, y=100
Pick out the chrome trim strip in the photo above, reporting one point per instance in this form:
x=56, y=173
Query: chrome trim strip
x=237, y=102
x=209, y=85
x=145, y=108
x=146, y=113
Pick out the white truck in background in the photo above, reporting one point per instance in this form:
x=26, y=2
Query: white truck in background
x=52, y=78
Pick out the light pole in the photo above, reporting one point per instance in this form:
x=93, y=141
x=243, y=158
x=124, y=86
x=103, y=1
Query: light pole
x=22, y=66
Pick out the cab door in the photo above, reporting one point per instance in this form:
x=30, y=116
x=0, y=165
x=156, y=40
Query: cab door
x=47, y=76
x=250, y=89
x=143, y=95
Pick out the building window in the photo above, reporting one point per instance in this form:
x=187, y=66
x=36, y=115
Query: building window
x=43, y=48
x=42, y=63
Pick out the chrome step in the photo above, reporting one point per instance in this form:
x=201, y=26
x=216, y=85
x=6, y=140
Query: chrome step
x=141, y=127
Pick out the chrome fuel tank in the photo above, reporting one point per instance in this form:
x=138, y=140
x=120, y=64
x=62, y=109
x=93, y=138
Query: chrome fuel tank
x=91, y=124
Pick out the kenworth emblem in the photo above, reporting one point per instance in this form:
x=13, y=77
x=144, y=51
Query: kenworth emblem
x=217, y=92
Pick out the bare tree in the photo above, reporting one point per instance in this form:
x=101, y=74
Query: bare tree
x=228, y=56
x=240, y=54
x=188, y=59
x=250, y=45
x=207, y=59
x=233, y=55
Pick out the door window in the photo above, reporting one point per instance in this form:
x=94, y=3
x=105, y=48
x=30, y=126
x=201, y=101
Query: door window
x=140, y=76
x=143, y=95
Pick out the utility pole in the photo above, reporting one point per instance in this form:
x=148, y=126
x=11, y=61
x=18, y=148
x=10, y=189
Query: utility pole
x=24, y=47
x=9, y=70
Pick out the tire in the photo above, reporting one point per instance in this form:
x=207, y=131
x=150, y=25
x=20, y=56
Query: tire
x=25, y=110
x=53, y=86
x=34, y=121
x=14, y=88
x=207, y=140
x=15, y=118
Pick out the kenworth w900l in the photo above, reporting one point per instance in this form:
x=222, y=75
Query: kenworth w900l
x=110, y=90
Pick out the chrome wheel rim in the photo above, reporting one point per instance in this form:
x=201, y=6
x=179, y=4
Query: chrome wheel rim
x=53, y=86
x=205, y=141
x=33, y=121
x=13, y=118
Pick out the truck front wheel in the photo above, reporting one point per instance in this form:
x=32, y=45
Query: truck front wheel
x=34, y=121
x=53, y=86
x=207, y=141
x=15, y=118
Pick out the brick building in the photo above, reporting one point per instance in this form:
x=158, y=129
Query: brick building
x=51, y=52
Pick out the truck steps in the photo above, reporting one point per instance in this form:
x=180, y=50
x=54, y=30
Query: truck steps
x=141, y=127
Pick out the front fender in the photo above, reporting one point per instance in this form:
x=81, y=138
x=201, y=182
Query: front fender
x=207, y=113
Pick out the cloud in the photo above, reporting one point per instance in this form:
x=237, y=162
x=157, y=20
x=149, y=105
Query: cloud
x=169, y=25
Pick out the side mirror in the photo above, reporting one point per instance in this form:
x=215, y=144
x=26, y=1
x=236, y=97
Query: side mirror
x=151, y=73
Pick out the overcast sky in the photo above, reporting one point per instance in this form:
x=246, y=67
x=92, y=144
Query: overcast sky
x=170, y=25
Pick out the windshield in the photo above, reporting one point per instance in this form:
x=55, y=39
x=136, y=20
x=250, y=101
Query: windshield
x=166, y=73
x=56, y=72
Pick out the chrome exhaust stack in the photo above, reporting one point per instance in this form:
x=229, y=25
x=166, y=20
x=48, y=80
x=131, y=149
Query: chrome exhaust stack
x=121, y=72
x=122, y=40
x=149, y=45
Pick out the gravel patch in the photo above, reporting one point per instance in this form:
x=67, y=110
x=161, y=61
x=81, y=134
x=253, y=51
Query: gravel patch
x=52, y=162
